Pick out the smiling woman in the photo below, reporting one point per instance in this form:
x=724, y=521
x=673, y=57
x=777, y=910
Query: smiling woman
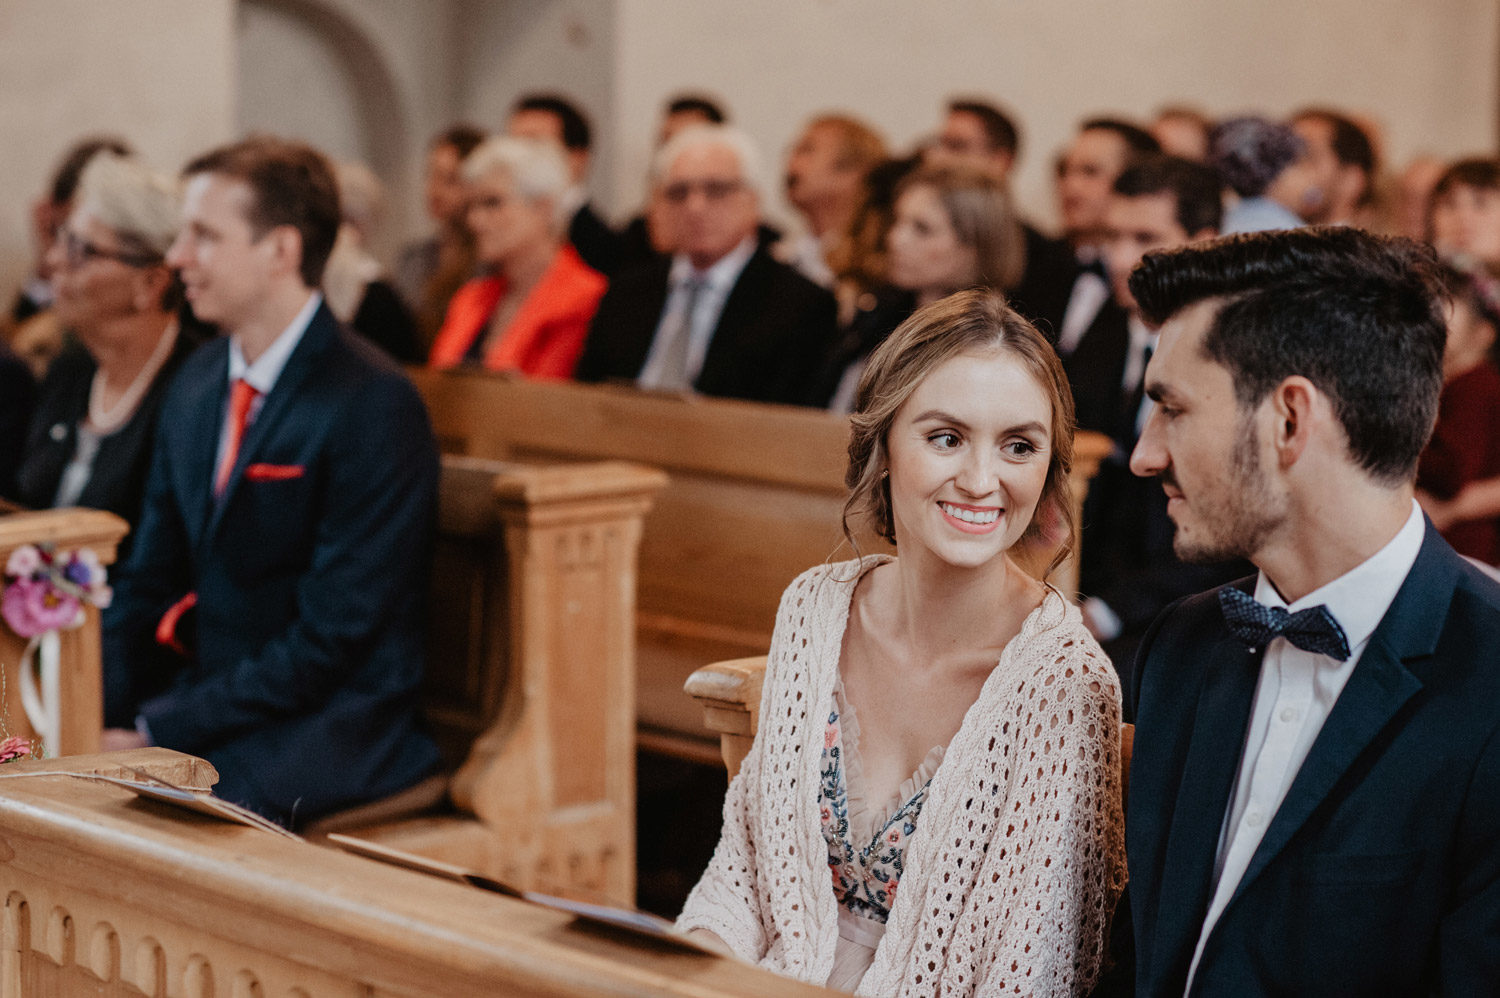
x=881, y=835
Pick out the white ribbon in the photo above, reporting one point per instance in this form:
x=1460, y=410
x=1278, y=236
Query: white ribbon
x=43, y=706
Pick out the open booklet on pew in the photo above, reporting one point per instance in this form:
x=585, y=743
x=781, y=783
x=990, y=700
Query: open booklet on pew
x=152, y=787
x=639, y=923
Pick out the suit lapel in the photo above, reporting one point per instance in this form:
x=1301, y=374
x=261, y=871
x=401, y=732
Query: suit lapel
x=742, y=302
x=1379, y=687
x=1208, y=774
x=321, y=331
x=202, y=451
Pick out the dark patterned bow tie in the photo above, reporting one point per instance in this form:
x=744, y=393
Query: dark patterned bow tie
x=1256, y=624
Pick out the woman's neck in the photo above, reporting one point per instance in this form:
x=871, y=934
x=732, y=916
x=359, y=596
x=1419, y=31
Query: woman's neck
x=524, y=270
x=939, y=610
x=125, y=345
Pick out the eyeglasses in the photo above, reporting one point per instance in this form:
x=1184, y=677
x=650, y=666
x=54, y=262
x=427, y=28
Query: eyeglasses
x=78, y=251
x=712, y=190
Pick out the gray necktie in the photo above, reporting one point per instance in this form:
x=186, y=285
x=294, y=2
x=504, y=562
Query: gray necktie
x=672, y=372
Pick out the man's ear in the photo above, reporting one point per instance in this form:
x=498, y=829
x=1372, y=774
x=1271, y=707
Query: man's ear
x=1298, y=407
x=286, y=248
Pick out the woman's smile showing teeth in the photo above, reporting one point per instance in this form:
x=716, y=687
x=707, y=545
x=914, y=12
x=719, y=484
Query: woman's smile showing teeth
x=974, y=519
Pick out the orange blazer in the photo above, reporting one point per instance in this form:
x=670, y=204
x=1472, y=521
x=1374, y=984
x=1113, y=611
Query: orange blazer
x=545, y=338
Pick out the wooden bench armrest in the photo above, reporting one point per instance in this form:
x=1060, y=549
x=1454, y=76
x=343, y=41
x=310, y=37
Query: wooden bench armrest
x=730, y=695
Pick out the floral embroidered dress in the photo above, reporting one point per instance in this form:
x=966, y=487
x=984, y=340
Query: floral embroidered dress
x=866, y=842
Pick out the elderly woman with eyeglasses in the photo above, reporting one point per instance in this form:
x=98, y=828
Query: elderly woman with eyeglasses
x=530, y=312
x=90, y=438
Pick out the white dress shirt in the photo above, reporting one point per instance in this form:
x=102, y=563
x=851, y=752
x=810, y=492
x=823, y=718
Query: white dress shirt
x=1293, y=697
x=718, y=280
x=266, y=371
x=1089, y=293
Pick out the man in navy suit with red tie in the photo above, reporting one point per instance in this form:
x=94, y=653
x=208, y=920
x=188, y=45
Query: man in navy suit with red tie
x=1315, y=789
x=270, y=618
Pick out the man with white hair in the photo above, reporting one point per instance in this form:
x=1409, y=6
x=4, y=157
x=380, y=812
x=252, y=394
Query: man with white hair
x=721, y=316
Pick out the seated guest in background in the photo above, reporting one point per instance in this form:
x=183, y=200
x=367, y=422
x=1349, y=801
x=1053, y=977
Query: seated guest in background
x=1086, y=174
x=531, y=310
x=1341, y=160
x=825, y=182
x=1465, y=212
x=1262, y=162
x=1183, y=131
x=271, y=616
x=17, y=397
x=721, y=316
x=32, y=330
x=1458, y=479
x=979, y=135
x=554, y=118
x=429, y=271
x=941, y=732
x=1413, y=198
x=955, y=228
x=1128, y=571
x=1315, y=786
x=90, y=441
x=354, y=282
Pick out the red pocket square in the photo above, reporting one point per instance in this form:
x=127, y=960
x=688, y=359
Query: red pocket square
x=273, y=472
x=166, y=628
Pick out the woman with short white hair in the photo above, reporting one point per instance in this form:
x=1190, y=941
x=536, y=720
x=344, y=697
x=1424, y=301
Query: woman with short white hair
x=90, y=439
x=531, y=311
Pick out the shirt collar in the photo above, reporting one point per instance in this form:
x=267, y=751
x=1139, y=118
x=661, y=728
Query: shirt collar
x=263, y=374
x=719, y=275
x=1360, y=597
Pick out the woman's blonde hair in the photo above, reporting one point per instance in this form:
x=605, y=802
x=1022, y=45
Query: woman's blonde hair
x=970, y=321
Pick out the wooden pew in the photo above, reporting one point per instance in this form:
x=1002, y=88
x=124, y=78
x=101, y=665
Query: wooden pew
x=81, y=687
x=109, y=895
x=531, y=677
x=754, y=498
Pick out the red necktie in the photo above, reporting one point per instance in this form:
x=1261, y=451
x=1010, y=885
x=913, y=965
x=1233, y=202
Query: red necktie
x=241, y=396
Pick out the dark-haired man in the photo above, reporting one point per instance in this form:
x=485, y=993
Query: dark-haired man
x=1086, y=173
x=1129, y=572
x=1339, y=161
x=270, y=616
x=978, y=134
x=1315, y=790
x=554, y=118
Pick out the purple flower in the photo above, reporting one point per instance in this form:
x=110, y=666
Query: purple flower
x=78, y=573
x=23, y=561
x=33, y=607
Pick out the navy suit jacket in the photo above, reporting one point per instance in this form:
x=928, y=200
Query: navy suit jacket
x=310, y=574
x=1380, y=873
x=774, y=333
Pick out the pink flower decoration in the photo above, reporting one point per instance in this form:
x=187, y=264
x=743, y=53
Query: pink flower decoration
x=894, y=837
x=33, y=606
x=23, y=561
x=14, y=747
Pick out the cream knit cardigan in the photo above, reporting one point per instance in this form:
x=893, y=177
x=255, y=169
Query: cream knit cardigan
x=1018, y=856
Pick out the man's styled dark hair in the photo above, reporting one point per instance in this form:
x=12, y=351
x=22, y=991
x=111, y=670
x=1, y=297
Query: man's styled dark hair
x=1358, y=315
x=1138, y=141
x=290, y=183
x=697, y=104
x=462, y=138
x=999, y=128
x=576, y=134
x=1195, y=189
x=1477, y=172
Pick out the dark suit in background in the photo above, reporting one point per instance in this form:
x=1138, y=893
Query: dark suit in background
x=1380, y=872
x=17, y=396
x=773, y=336
x=310, y=574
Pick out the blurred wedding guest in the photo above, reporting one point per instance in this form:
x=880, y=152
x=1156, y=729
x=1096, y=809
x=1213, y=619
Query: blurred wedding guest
x=955, y=227
x=555, y=118
x=430, y=270
x=721, y=316
x=932, y=804
x=33, y=331
x=1183, y=132
x=90, y=441
x=1086, y=173
x=686, y=110
x=355, y=284
x=825, y=182
x=1340, y=157
x=531, y=310
x=1458, y=478
x=1262, y=162
x=1414, y=196
x=17, y=397
x=1466, y=211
